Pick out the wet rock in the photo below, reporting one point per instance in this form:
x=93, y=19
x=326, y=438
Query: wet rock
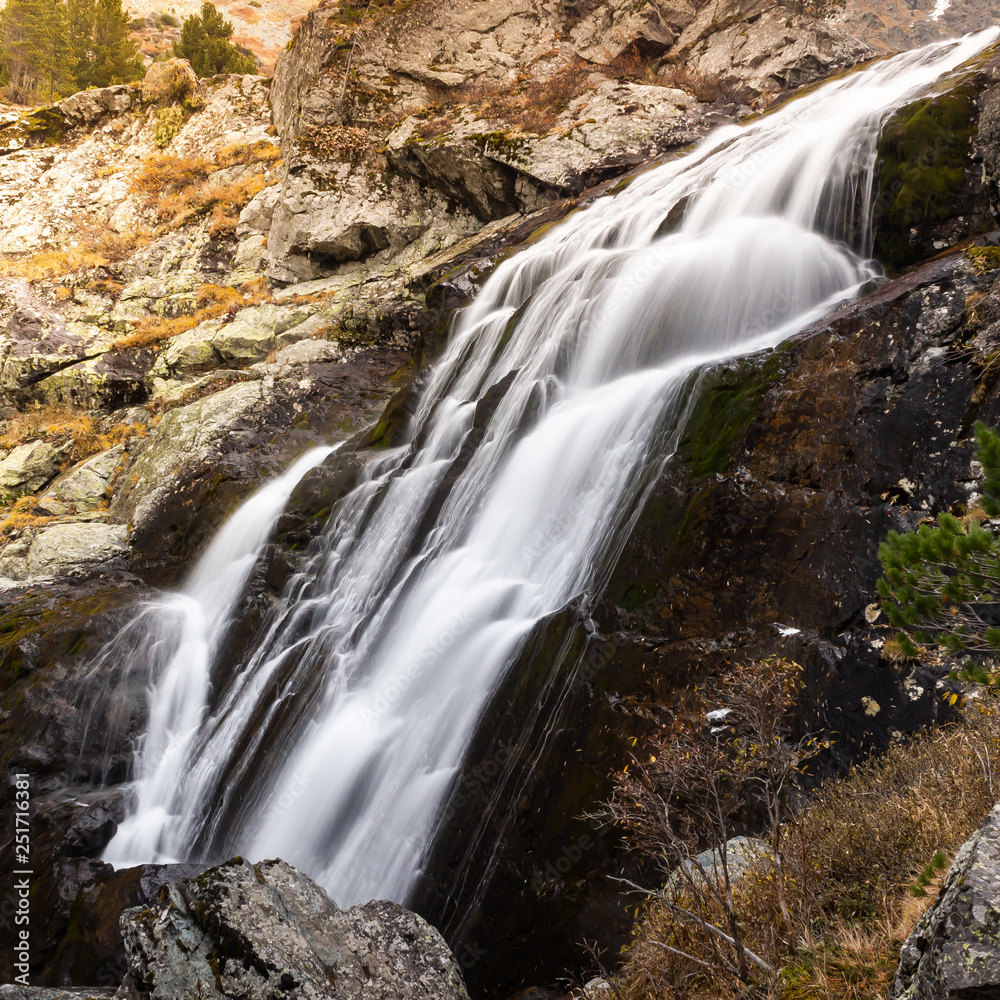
x=92, y=950
x=954, y=950
x=988, y=146
x=242, y=929
x=186, y=437
x=28, y=467
x=90, y=834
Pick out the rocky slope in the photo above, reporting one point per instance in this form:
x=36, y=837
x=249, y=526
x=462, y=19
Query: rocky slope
x=200, y=280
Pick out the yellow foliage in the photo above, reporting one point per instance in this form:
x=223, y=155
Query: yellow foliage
x=48, y=263
x=59, y=422
x=261, y=151
x=213, y=301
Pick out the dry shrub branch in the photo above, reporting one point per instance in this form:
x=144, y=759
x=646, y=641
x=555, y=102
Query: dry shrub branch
x=827, y=907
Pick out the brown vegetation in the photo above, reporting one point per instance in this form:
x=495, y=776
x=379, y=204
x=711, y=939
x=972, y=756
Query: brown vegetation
x=860, y=863
x=48, y=263
x=180, y=188
x=58, y=423
x=213, y=301
x=709, y=88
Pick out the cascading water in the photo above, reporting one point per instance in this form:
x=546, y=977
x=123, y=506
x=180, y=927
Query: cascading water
x=335, y=744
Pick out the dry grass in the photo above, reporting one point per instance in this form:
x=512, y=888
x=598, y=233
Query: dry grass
x=58, y=423
x=214, y=301
x=21, y=515
x=707, y=87
x=48, y=263
x=261, y=151
x=180, y=188
x=107, y=243
x=851, y=857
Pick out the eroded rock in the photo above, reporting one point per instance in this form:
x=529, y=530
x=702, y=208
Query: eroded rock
x=83, y=488
x=28, y=467
x=69, y=549
x=258, y=930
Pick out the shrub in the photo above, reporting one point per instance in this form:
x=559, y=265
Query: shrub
x=708, y=88
x=60, y=422
x=942, y=583
x=169, y=121
x=854, y=856
x=171, y=82
x=179, y=189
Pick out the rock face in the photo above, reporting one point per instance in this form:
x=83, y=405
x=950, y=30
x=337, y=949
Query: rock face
x=465, y=128
x=954, y=951
x=766, y=49
x=260, y=930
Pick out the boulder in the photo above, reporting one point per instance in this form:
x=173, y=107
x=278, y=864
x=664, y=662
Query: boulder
x=743, y=854
x=72, y=549
x=616, y=26
x=954, y=951
x=243, y=930
x=181, y=445
x=28, y=467
x=170, y=82
x=84, y=487
x=89, y=106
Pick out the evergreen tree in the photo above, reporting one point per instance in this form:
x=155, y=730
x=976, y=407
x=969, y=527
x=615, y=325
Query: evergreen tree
x=33, y=49
x=102, y=52
x=205, y=43
x=942, y=584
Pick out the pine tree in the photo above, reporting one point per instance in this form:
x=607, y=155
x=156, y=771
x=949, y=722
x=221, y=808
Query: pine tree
x=102, y=52
x=942, y=584
x=33, y=48
x=205, y=43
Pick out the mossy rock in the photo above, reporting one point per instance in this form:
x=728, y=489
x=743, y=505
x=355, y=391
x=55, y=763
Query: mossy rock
x=728, y=398
x=923, y=154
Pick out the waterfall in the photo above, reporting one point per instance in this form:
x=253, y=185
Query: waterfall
x=565, y=386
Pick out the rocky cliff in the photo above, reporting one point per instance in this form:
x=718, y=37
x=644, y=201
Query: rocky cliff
x=201, y=279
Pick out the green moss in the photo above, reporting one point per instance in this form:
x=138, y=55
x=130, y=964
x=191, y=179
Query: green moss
x=510, y=147
x=923, y=153
x=728, y=400
x=983, y=259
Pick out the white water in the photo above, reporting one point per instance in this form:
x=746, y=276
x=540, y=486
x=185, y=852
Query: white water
x=336, y=744
x=181, y=634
